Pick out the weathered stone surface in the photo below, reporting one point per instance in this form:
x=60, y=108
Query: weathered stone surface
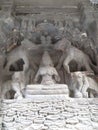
x=72, y=121
x=47, y=89
x=50, y=114
x=48, y=107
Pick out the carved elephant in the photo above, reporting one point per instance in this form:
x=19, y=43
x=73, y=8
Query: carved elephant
x=14, y=56
x=25, y=57
x=21, y=52
x=81, y=59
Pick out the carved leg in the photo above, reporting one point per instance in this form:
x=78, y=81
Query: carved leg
x=18, y=96
x=84, y=91
x=26, y=61
x=37, y=77
x=66, y=67
x=77, y=94
x=91, y=95
x=66, y=64
x=60, y=63
x=16, y=88
x=85, y=94
x=56, y=75
x=85, y=87
x=57, y=78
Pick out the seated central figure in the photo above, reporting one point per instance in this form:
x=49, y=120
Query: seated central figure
x=46, y=71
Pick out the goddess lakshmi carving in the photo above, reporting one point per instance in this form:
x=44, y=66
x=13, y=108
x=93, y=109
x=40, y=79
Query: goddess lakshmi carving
x=47, y=71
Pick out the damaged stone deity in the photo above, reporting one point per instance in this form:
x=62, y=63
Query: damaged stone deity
x=48, y=73
x=43, y=50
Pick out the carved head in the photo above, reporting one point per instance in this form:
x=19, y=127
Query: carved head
x=62, y=44
x=46, y=60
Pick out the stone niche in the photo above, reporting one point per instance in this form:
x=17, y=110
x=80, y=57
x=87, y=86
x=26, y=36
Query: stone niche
x=48, y=65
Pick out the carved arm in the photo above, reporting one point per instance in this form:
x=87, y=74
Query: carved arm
x=37, y=76
x=56, y=76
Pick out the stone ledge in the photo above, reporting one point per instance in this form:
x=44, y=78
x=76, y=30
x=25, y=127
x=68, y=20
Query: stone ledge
x=38, y=98
x=54, y=89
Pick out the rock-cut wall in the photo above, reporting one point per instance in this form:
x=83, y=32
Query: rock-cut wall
x=50, y=113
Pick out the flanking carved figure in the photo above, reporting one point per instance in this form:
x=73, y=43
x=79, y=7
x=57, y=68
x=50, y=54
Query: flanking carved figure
x=20, y=59
x=16, y=84
x=71, y=53
x=83, y=86
x=47, y=71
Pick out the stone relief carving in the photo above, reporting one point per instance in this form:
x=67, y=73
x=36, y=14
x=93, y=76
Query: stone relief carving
x=47, y=71
x=35, y=45
x=78, y=56
x=17, y=84
x=83, y=85
x=31, y=44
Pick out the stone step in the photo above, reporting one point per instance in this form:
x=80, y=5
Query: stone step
x=51, y=2
x=32, y=9
x=37, y=98
x=47, y=89
x=47, y=98
x=48, y=92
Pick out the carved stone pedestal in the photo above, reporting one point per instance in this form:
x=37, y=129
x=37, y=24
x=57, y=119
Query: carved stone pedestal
x=54, y=89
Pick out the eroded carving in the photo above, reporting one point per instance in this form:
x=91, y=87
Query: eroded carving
x=72, y=53
x=49, y=47
x=83, y=85
x=47, y=71
x=17, y=84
